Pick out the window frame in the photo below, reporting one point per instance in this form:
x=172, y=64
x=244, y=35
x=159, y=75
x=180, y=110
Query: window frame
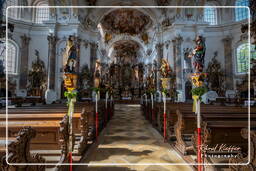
x=16, y=58
x=236, y=12
x=215, y=14
x=17, y=10
x=41, y=3
x=236, y=58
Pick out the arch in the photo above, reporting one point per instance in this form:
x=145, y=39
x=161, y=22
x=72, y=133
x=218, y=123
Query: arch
x=121, y=37
x=128, y=38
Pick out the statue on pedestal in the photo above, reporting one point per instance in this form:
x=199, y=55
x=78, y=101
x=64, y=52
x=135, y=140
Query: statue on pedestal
x=71, y=55
x=198, y=55
x=70, y=78
x=37, y=77
x=97, y=74
x=165, y=71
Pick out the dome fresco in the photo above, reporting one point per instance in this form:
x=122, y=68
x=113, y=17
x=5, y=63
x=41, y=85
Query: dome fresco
x=129, y=21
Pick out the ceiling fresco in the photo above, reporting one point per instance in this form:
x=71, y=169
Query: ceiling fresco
x=126, y=48
x=129, y=21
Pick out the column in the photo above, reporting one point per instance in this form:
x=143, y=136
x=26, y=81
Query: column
x=93, y=55
x=178, y=66
x=78, y=45
x=228, y=63
x=24, y=50
x=50, y=95
x=159, y=48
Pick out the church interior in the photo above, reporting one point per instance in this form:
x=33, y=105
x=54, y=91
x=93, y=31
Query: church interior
x=135, y=85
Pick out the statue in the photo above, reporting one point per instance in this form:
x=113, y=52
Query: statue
x=198, y=55
x=215, y=77
x=165, y=69
x=37, y=76
x=71, y=55
x=70, y=78
x=97, y=74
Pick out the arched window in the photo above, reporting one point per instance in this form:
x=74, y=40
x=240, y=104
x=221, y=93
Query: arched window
x=210, y=15
x=12, y=56
x=12, y=12
x=42, y=13
x=241, y=13
x=242, y=55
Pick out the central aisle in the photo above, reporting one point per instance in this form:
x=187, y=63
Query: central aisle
x=127, y=139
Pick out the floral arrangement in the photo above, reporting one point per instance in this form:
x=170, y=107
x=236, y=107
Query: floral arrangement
x=199, y=89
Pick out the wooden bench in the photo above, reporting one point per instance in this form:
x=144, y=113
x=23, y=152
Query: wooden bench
x=47, y=136
x=181, y=123
x=19, y=152
x=40, y=116
x=245, y=159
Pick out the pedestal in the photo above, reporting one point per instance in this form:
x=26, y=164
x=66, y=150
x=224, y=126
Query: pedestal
x=50, y=96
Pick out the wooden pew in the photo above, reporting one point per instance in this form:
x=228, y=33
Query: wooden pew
x=47, y=136
x=184, y=121
x=87, y=135
x=245, y=159
x=41, y=116
x=186, y=124
x=235, y=135
x=19, y=152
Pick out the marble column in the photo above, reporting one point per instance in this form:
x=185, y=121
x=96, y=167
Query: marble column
x=78, y=45
x=160, y=54
x=178, y=66
x=24, y=51
x=178, y=63
x=93, y=55
x=50, y=95
x=229, y=80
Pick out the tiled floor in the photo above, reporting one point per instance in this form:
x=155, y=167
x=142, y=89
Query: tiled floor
x=130, y=139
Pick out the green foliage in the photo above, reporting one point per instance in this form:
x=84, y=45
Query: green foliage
x=165, y=91
x=70, y=95
x=198, y=91
x=150, y=91
x=97, y=90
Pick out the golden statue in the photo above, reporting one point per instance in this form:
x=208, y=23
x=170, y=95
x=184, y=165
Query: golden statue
x=165, y=69
x=97, y=74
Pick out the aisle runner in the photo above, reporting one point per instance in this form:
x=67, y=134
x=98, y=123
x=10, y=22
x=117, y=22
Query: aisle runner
x=129, y=138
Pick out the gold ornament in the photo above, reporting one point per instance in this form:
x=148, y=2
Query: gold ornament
x=70, y=81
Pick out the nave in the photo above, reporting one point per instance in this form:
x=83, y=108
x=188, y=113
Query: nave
x=130, y=139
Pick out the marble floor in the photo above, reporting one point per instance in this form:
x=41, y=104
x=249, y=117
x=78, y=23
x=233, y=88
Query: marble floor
x=130, y=139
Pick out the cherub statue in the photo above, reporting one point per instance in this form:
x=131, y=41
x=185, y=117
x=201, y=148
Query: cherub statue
x=198, y=55
x=165, y=69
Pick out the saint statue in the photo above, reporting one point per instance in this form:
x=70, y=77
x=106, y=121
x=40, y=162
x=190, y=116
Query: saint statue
x=71, y=55
x=97, y=74
x=165, y=69
x=37, y=76
x=198, y=55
